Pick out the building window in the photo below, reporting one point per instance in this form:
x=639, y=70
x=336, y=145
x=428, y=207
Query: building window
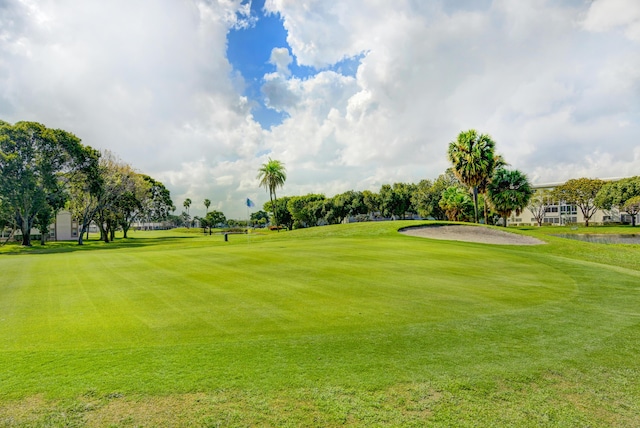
x=569, y=209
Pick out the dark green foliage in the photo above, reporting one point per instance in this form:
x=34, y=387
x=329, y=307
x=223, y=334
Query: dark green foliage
x=158, y=204
x=306, y=210
x=582, y=192
x=632, y=207
x=456, y=204
x=344, y=205
x=618, y=194
x=426, y=196
x=509, y=190
x=396, y=200
x=272, y=175
x=35, y=164
x=280, y=208
x=215, y=218
x=473, y=159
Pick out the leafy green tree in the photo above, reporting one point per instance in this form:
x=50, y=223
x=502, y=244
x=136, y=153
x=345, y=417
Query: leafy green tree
x=456, y=204
x=35, y=163
x=130, y=205
x=272, y=175
x=281, y=207
x=306, y=210
x=87, y=192
x=186, y=204
x=498, y=163
x=343, y=205
x=185, y=219
x=207, y=204
x=442, y=183
x=204, y=224
x=509, y=190
x=371, y=201
x=396, y=200
x=421, y=198
x=214, y=219
x=538, y=204
x=257, y=216
x=617, y=193
x=582, y=192
x=119, y=194
x=157, y=204
x=47, y=215
x=632, y=207
x=5, y=215
x=473, y=160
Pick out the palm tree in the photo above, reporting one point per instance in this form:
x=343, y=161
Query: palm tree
x=498, y=163
x=272, y=175
x=473, y=160
x=509, y=191
x=207, y=204
x=187, y=204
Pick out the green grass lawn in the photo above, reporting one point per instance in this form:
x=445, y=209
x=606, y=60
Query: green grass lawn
x=352, y=325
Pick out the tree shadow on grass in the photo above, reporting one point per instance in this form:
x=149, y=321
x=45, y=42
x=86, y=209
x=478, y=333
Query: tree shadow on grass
x=90, y=245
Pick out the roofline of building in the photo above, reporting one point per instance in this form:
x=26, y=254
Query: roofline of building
x=559, y=183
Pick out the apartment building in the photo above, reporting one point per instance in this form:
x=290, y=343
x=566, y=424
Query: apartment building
x=561, y=213
x=65, y=228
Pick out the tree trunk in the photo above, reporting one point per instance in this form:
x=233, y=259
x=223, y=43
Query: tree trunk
x=104, y=235
x=25, y=227
x=81, y=234
x=275, y=198
x=475, y=203
x=486, y=213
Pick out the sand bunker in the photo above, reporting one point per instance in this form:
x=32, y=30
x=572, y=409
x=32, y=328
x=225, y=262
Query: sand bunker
x=479, y=234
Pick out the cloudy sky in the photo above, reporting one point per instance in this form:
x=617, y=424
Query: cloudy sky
x=349, y=95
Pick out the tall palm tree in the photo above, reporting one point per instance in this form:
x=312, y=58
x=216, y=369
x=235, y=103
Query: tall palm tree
x=207, y=204
x=509, y=191
x=272, y=175
x=187, y=204
x=472, y=157
x=498, y=163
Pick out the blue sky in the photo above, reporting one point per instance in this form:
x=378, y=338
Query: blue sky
x=360, y=93
x=249, y=51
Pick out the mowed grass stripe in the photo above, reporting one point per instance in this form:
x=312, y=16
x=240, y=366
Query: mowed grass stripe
x=245, y=290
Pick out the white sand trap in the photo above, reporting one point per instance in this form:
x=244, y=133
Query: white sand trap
x=479, y=234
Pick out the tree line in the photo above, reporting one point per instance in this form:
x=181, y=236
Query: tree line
x=478, y=180
x=43, y=171
x=477, y=187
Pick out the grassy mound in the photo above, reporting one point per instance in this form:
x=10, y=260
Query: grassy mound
x=351, y=324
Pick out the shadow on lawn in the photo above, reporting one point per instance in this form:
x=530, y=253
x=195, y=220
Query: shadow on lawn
x=90, y=245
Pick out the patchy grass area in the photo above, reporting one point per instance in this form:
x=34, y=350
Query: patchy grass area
x=339, y=325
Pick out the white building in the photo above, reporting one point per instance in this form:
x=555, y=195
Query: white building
x=63, y=229
x=561, y=213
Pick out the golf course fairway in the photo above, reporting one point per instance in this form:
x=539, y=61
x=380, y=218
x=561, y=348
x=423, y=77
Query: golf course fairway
x=346, y=325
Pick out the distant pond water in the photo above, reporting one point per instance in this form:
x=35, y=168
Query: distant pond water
x=603, y=238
